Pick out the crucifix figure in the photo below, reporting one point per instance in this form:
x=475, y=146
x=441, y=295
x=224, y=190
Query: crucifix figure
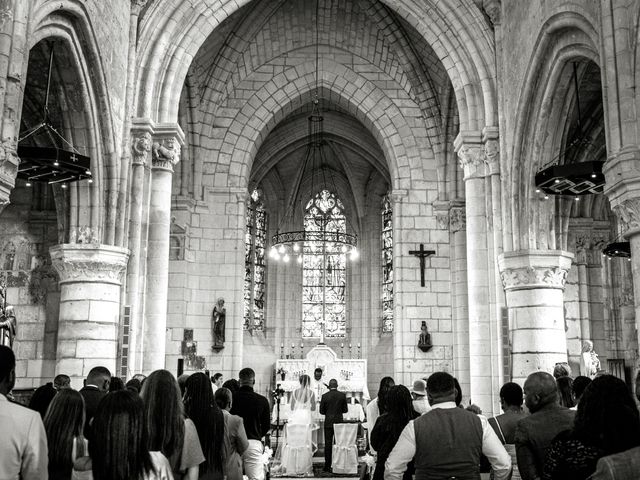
x=422, y=254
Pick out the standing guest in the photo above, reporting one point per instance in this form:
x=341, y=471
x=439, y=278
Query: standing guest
x=202, y=409
x=23, y=441
x=535, y=432
x=607, y=422
x=61, y=381
x=235, y=438
x=565, y=392
x=134, y=385
x=41, y=398
x=254, y=410
x=64, y=424
x=561, y=369
x=168, y=430
x=447, y=441
x=388, y=427
x=119, y=449
x=511, y=400
x=95, y=388
x=333, y=405
x=580, y=384
x=419, y=394
x=182, y=382
x=377, y=406
x=621, y=466
x=216, y=381
x=232, y=384
x=116, y=384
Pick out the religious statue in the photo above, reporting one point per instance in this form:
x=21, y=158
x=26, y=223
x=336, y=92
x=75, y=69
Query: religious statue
x=589, y=362
x=8, y=326
x=424, y=341
x=219, y=317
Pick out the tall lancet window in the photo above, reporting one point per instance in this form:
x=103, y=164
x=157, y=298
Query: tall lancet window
x=387, y=265
x=324, y=269
x=254, y=271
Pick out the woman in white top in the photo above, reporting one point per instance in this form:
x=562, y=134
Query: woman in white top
x=118, y=449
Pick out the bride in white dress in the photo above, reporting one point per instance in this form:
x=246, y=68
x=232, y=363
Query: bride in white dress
x=298, y=448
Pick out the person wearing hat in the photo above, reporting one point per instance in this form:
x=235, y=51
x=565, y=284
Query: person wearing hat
x=419, y=394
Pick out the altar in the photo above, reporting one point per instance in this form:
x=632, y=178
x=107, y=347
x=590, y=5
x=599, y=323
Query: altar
x=351, y=375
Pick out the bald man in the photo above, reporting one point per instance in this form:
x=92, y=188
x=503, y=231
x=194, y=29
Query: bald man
x=535, y=432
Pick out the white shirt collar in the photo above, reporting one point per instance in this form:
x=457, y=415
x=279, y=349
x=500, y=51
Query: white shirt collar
x=3, y=398
x=445, y=405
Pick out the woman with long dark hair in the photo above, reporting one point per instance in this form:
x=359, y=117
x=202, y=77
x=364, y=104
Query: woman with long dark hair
x=168, y=430
x=565, y=392
x=202, y=409
x=607, y=422
x=377, y=406
x=64, y=424
x=119, y=448
x=389, y=426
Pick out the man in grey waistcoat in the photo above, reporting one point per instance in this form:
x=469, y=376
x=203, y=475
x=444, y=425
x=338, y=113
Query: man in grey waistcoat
x=447, y=442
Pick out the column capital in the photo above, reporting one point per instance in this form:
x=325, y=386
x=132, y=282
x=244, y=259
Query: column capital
x=627, y=212
x=491, y=140
x=9, y=162
x=163, y=140
x=137, y=6
x=534, y=269
x=471, y=156
x=140, y=146
x=76, y=263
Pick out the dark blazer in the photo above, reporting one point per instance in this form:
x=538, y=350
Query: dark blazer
x=235, y=444
x=254, y=410
x=92, y=396
x=332, y=405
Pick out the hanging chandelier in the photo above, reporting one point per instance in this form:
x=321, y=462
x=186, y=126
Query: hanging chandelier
x=326, y=236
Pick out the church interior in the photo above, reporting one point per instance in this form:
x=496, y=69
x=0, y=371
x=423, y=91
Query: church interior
x=375, y=187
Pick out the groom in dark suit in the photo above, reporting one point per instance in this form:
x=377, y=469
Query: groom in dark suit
x=332, y=406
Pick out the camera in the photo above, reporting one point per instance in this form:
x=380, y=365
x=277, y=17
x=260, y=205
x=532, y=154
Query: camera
x=278, y=392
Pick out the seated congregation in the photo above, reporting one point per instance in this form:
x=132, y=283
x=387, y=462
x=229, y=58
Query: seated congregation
x=160, y=427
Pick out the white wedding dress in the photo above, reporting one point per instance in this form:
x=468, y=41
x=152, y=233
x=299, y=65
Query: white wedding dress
x=298, y=449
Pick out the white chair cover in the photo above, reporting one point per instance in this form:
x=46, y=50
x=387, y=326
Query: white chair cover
x=297, y=453
x=345, y=451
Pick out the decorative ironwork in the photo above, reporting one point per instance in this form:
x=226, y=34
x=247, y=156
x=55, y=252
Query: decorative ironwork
x=617, y=249
x=584, y=178
x=254, y=262
x=387, y=265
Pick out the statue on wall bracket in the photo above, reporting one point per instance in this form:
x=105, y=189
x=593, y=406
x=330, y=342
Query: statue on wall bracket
x=8, y=321
x=424, y=341
x=218, y=319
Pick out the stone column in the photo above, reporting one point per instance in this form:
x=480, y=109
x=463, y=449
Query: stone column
x=484, y=368
x=165, y=153
x=90, y=280
x=534, y=281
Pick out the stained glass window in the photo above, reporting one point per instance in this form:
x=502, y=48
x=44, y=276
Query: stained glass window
x=324, y=269
x=387, y=265
x=254, y=269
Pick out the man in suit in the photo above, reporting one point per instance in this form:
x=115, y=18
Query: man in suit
x=254, y=410
x=23, y=442
x=332, y=406
x=235, y=438
x=535, y=432
x=95, y=388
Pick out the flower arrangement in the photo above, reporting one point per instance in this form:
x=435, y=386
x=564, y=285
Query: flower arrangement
x=282, y=372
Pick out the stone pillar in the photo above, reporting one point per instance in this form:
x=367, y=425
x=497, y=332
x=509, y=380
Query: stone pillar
x=141, y=140
x=90, y=280
x=459, y=303
x=165, y=153
x=534, y=284
x=484, y=360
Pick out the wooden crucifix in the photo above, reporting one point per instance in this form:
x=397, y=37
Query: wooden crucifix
x=422, y=254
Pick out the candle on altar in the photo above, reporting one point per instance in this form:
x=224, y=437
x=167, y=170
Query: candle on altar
x=349, y=345
x=358, y=345
x=342, y=345
x=293, y=345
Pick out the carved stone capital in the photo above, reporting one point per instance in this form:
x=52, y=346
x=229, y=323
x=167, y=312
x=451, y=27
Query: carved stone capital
x=628, y=214
x=79, y=263
x=165, y=153
x=493, y=10
x=457, y=218
x=472, y=160
x=9, y=162
x=140, y=147
x=534, y=269
x=137, y=6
